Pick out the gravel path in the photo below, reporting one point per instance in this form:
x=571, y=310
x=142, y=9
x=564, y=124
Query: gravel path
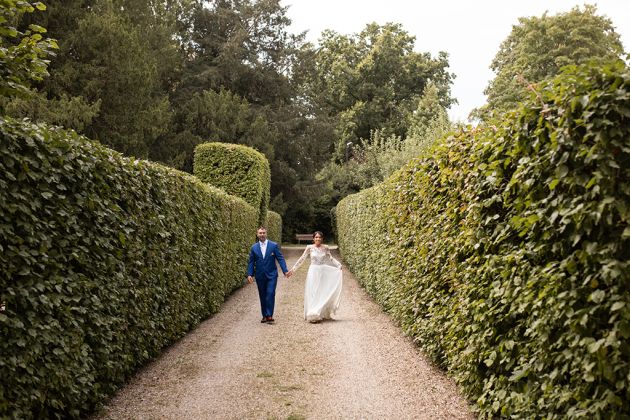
x=231, y=366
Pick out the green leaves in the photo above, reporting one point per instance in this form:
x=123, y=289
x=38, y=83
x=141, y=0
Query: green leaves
x=238, y=170
x=23, y=55
x=274, y=226
x=505, y=254
x=372, y=81
x=105, y=260
x=537, y=49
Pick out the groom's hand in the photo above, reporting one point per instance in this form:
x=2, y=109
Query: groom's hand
x=288, y=274
x=250, y=279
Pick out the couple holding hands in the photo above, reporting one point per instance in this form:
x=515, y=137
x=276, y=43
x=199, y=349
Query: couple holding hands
x=322, y=291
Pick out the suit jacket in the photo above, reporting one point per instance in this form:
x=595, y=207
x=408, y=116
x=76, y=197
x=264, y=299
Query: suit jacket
x=265, y=267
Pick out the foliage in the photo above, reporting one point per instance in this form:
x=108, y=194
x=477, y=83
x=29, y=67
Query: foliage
x=238, y=170
x=538, y=47
x=155, y=78
x=375, y=159
x=274, y=226
x=242, y=46
x=510, y=250
x=372, y=81
x=69, y=112
x=106, y=73
x=112, y=63
x=430, y=120
x=48, y=103
x=23, y=53
x=361, y=219
x=212, y=116
x=104, y=261
x=62, y=102
x=380, y=157
x=245, y=48
x=60, y=18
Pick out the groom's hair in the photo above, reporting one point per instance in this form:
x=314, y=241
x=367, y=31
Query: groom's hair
x=261, y=227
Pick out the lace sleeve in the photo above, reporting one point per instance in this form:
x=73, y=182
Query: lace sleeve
x=299, y=262
x=332, y=259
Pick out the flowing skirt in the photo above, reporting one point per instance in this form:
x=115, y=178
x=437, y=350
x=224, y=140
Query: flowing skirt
x=322, y=292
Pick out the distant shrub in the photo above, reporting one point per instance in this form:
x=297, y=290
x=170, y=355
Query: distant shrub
x=236, y=169
x=274, y=226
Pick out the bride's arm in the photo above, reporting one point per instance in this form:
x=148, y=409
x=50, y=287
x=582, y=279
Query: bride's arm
x=299, y=262
x=334, y=261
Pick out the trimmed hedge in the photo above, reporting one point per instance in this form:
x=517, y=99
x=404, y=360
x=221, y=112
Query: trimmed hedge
x=506, y=254
x=104, y=261
x=236, y=169
x=274, y=226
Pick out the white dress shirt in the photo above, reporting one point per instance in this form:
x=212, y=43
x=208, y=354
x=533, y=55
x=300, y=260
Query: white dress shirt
x=263, y=248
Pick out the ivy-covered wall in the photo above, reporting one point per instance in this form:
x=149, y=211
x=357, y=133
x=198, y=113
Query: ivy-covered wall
x=239, y=170
x=104, y=260
x=506, y=254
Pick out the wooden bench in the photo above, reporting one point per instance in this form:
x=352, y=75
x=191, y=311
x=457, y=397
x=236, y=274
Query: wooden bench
x=303, y=237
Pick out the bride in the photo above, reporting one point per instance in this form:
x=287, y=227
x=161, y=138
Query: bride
x=322, y=292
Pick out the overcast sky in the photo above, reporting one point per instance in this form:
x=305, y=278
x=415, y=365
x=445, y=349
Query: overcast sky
x=469, y=31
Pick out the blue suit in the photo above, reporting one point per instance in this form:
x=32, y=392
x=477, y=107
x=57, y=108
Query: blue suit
x=266, y=273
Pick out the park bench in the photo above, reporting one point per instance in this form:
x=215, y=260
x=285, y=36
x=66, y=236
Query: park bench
x=303, y=237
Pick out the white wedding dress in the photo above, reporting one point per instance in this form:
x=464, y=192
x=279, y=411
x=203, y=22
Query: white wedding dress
x=322, y=292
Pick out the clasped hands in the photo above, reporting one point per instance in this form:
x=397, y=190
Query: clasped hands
x=250, y=279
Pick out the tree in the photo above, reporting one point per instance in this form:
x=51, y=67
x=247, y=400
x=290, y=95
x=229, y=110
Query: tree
x=49, y=103
x=109, y=60
x=23, y=53
x=383, y=156
x=212, y=116
x=117, y=62
x=429, y=115
x=375, y=159
x=372, y=81
x=70, y=112
x=166, y=26
x=242, y=46
x=386, y=104
x=538, y=47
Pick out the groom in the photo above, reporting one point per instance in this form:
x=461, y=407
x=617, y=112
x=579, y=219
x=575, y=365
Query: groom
x=262, y=261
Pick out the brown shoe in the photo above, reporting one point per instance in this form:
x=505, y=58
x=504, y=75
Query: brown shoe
x=263, y=320
x=270, y=320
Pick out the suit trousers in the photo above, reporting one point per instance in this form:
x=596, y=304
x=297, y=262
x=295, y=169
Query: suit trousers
x=267, y=294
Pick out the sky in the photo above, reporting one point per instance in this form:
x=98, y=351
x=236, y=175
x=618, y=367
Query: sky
x=469, y=31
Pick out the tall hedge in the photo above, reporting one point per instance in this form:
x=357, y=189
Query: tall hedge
x=104, y=260
x=274, y=226
x=238, y=170
x=506, y=255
